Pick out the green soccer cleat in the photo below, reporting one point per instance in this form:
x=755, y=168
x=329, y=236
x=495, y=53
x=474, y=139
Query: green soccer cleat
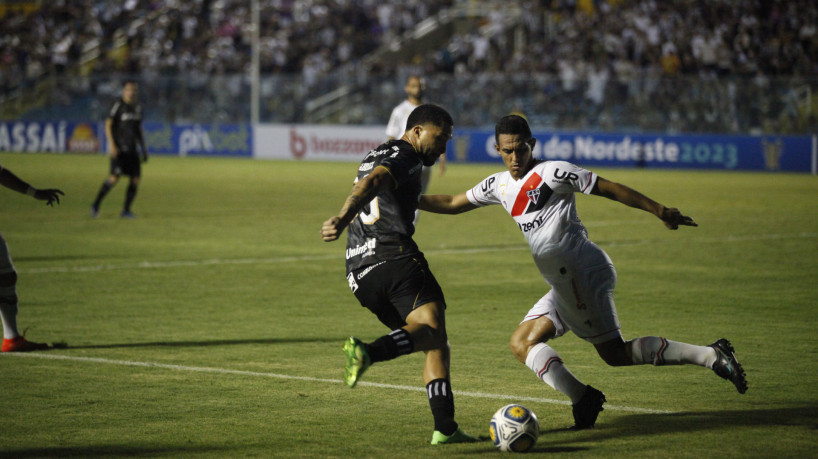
x=357, y=360
x=457, y=437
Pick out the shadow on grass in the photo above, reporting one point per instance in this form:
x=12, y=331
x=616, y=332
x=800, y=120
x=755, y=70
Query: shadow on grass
x=220, y=342
x=649, y=424
x=106, y=451
x=637, y=425
x=805, y=416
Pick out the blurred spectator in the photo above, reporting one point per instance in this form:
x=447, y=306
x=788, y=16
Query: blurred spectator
x=584, y=65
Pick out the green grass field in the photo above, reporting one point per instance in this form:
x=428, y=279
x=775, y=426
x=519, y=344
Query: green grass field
x=211, y=326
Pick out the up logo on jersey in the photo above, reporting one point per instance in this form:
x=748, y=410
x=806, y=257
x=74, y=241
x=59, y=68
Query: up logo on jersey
x=486, y=185
x=564, y=176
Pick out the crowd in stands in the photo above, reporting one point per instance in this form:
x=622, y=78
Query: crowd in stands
x=210, y=37
x=719, y=37
x=571, y=63
x=709, y=64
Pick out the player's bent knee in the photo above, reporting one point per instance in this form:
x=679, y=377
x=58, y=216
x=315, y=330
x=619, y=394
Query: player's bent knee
x=614, y=353
x=439, y=339
x=8, y=296
x=519, y=348
x=8, y=279
x=647, y=350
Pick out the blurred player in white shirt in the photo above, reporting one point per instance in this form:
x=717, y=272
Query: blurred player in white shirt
x=539, y=195
x=396, y=126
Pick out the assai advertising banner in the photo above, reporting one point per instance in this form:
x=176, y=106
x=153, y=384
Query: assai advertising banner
x=50, y=137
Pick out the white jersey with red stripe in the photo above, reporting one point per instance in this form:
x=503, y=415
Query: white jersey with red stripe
x=543, y=206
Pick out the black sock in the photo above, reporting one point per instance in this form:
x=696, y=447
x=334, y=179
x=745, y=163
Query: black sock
x=129, y=195
x=441, y=401
x=387, y=347
x=103, y=190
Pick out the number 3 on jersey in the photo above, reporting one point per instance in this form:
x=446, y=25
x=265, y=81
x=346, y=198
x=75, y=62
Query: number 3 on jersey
x=370, y=212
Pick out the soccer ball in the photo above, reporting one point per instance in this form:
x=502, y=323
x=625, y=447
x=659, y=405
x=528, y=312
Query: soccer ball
x=514, y=428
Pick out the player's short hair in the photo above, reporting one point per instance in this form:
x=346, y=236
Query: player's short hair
x=420, y=79
x=512, y=124
x=129, y=81
x=429, y=113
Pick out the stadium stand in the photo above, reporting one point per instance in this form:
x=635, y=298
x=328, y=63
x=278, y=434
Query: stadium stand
x=684, y=66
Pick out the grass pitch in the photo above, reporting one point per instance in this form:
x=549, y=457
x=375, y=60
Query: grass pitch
x=211, y=326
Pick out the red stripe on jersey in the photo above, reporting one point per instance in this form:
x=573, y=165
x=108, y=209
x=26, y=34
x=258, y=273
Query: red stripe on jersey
x=590, y=180
x=522, y=200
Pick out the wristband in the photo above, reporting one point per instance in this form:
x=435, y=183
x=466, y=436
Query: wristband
x=31, y=191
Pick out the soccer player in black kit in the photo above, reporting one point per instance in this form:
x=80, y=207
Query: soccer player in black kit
x=388, y=273
x=126, y=146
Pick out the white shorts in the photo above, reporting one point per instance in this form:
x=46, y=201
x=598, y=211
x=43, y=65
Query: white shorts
x=581, y=299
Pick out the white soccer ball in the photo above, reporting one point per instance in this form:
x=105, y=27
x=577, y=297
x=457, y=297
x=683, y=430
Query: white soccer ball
x=514, y=428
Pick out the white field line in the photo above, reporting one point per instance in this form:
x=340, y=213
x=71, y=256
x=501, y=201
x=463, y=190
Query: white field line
x=438, y=251
x=225, y=371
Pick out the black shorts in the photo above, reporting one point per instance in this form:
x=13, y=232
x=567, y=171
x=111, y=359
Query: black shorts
x=126, y=164
x=393, y=289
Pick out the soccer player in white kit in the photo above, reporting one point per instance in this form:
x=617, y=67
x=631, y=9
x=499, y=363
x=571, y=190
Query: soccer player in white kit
x=396, y=126
x=539, y=195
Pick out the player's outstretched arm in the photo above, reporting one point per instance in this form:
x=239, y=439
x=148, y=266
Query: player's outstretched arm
x=363, y=191
x=11, y=181
x=671, y=216
x=445, y=203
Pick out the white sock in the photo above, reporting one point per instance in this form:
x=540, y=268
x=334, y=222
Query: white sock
x=8, y=313
x=548, y=366
x=660, y=351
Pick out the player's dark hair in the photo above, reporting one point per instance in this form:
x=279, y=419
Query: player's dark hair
x=429, y=113
x=129, y=81
x=512, y=124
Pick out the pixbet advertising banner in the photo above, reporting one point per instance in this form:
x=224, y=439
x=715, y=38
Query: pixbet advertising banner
x=199, y=139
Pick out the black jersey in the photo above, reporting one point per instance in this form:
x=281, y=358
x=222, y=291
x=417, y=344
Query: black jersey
x=383, y=229
x=126, y=125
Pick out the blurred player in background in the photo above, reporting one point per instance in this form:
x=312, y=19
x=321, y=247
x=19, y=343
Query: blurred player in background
x=126, y=146
x=539, y=195
x=397, y=126
x=388, y=273
x=13, y=341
